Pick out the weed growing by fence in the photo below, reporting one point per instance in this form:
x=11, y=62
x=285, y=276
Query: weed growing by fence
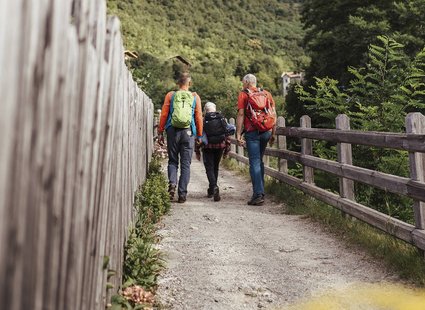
x=404, y=258
x=142, y=260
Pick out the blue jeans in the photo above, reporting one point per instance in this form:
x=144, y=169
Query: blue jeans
x=180, y=143
x=256, y=143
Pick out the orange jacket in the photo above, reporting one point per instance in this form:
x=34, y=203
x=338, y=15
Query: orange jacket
x=166, y=110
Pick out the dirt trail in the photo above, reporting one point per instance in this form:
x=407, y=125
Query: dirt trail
x=228, y=255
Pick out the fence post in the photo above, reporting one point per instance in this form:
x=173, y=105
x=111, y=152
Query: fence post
x=281, y=144
x=233, y=146
x=266, y=161
x=307, y=149
x=415, y=124
x=346, y=186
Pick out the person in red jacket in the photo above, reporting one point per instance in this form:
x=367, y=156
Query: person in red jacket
x=180, y=141
x=256, y=140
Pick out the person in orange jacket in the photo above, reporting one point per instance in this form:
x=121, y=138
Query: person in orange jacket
x=180, y=141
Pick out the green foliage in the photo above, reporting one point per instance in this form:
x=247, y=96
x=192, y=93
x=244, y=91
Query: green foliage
x=409, y=24
x=119, y=302
x=223, y=41
x=154, y=76
x=413, y=89
x=105, y=262
x=327, y=102
x=142, y=261
x=293, y=108
x=378, y=98
x=339, y=32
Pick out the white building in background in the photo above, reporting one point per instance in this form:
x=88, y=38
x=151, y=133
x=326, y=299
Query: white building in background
x=290, y=78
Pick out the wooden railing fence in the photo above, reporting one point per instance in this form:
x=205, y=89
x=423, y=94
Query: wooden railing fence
x=412, y=141
x=76, y=138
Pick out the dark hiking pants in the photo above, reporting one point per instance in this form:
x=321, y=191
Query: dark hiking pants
x=212, y=159
x=180, y=144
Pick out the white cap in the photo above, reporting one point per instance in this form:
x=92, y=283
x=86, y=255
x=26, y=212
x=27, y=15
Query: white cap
x=210, y=107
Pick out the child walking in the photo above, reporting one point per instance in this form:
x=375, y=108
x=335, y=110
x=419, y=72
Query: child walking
x=215, y=145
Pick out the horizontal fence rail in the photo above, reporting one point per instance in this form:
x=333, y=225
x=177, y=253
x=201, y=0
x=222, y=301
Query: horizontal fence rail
x=413, y=187
x=76, y=138
x=407, y=142
x=387, y=182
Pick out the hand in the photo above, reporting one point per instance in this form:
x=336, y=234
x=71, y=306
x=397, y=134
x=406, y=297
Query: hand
x=272, y=139
x=199, y=140
x=198, y=156
x=161, y=140
x=240, y=140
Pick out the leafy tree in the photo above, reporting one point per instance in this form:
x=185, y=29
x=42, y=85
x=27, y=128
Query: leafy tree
x=378, y=97
x=409, y=24
x=223, y=42
x=340, y=31
x=414, y=86
x=294, y=107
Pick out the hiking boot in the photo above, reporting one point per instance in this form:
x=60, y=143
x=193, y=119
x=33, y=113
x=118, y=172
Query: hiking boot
x=171, y=190
x=256, y=201
x=216, y=194
x=182, y=199
x=210, y=192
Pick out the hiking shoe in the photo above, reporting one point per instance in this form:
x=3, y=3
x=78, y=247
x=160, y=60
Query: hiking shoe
x=216, y=194
x=256, y=201
x=182, y=199
x=210, y=192
x=171, y=190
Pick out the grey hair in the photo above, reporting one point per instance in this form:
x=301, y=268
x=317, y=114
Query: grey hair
x=250, y=79
x=210, y=107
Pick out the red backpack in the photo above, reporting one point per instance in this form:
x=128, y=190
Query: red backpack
x=259, y=110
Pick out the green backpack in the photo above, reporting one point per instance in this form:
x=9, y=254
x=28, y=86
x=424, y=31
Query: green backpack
x=183, y=103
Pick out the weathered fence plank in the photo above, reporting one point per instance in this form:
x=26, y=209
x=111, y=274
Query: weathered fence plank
x=399, y=141
x=281, y=145
x=307, y=149
x=346, y=187
x=75, y=144
x=9, y=59
x=388, y=182
x=415, y=124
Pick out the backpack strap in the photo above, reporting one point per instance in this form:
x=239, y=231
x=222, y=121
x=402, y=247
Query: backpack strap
x=194, y=103
x=171, y=103
x=193, y=122
x=248, y=91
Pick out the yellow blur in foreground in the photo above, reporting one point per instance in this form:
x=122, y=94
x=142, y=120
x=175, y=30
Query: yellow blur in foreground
x=367, y=297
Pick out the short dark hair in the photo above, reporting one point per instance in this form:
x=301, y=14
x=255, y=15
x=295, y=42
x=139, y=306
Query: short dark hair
x=184, y=79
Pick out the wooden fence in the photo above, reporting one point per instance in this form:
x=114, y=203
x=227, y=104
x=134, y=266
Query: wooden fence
x=412, y=141
x=76, y=139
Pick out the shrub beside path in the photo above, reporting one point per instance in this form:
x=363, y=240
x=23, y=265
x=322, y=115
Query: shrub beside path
x=228, y=255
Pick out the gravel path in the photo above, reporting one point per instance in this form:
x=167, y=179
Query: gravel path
x=228, y=255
